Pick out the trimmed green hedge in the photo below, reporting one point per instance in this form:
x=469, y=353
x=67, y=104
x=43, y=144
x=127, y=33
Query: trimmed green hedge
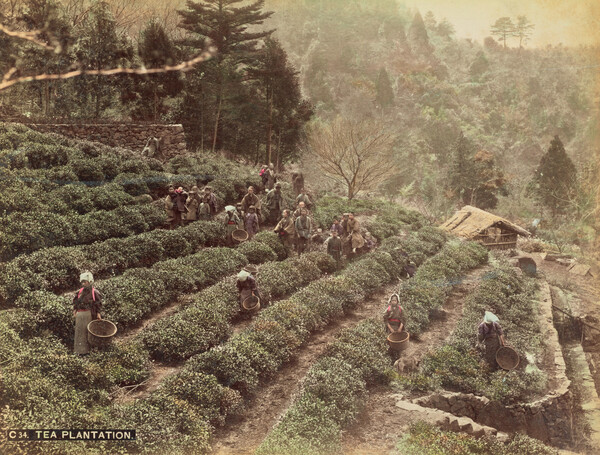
x=390, y=218
x=257, y=252
x=260, y=350
x=428, y=289
x=205, y=321
x=426, y=439
x=27, y=232
x=138, y=292
x=57, y=269
x=456, y=365
x=333, y=394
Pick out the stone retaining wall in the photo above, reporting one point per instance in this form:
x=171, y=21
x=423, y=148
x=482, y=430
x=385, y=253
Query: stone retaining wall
x=131, y=136
x=548, y=419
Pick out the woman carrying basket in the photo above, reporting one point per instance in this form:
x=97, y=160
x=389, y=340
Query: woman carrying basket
x=246, y=285
x=490, y=333
x=393, y=317
x=87, y=305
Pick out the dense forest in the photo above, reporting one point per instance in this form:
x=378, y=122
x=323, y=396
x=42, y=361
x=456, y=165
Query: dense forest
x=463, y=122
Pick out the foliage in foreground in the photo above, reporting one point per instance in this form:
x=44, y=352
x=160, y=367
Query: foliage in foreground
x=425, y=439
x=456, y=365
x=334, y=393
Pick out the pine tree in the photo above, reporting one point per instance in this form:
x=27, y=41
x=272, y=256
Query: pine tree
x=100, y=45
x=503, y=28
x=147, y=93
x=474, y=177
x=226, y=26
x=523, y=30
x=555, y=178
x=385, y=93
x=417, y=35
x=279, y=85
x=461, y=169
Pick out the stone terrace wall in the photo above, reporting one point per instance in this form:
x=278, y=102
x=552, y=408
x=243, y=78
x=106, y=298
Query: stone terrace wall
x=548, y=419
x=131, y=136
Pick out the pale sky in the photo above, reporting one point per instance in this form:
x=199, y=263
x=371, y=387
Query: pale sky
x=571, y=22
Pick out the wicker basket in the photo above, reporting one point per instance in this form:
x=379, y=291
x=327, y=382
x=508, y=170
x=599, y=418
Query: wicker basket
x=507, y=358
x=239, y=235
x=251, y=303
x=398, y=341
x=101, y=332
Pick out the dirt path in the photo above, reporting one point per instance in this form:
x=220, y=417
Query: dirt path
x=381, y=424
x=158, y=373
x=244, y=433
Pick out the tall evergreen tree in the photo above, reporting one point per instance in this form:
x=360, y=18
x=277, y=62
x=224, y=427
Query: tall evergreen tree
x=226, y=25
x=461, y=169
x=503, y=28
x=100, y=45
x=385, y=92
x=279, y=85
x=555, y=178
x=523, y=30
x=417, y=35
x=53, y=29
x=147, y=93
x=474, y=177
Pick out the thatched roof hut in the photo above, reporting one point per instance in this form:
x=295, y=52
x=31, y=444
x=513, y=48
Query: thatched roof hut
x=476, y=224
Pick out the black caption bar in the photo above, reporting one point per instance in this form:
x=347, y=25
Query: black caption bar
x=70, y=435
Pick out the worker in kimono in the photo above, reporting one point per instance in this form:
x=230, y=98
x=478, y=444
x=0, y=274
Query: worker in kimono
x=491, y=335
x=251, y=222
x=286, y=231
x=303, y=226
x=334, y=247
x=353, y=231
x=393, y=316
x=87, y=305
x=246, y=285
x=231, y=223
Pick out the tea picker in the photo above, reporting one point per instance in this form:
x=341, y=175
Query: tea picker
x=490, y=333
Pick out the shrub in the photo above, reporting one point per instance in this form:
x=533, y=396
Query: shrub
x=26, y=232
x=122, y=363
x=272, y=241
x=173, y=243
x=333, y=393
x=201, y=325
x=257, y=252
x=48, y=312
x=43, y=156
x=163, y=424
x=323, y=260
x=132, y=183
x=212, y=401
x=87, y=171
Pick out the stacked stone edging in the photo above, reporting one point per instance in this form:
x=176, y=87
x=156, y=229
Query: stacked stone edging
x=450, y=422
x=548, y=419
x=131, y=136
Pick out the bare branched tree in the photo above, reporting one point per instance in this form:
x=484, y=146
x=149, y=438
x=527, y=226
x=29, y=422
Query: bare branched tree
x=359, y=154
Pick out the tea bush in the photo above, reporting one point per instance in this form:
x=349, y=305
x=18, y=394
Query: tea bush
x=428, y=289
x=272, y=241
x=333, y=393
x=58, y=268
x=205, y=321
x=134, y=295
x=257, y=252
x=456, y=365
x=426, y=439
x=27, y=232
